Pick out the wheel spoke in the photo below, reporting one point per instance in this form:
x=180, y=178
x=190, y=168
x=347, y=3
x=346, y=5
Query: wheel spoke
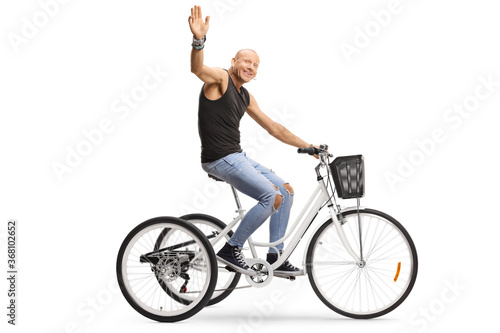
x=226, y=280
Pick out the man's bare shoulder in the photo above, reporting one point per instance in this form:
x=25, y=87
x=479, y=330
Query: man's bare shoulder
x=216, y=89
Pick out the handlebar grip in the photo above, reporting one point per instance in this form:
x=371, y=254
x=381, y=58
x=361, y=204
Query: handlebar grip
x=308, y=150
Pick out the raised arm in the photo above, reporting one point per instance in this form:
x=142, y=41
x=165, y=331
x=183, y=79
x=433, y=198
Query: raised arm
x=199, y=30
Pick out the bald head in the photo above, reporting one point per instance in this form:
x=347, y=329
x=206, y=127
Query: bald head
x=242, y=52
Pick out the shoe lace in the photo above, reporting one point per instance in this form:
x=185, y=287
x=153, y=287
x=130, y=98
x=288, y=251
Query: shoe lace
x=289, y=265
x=239, y=258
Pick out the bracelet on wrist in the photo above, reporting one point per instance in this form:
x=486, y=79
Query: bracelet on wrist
x=199, y=44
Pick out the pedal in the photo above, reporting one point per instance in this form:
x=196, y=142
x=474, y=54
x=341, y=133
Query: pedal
x=229, y=268
x=291, y=278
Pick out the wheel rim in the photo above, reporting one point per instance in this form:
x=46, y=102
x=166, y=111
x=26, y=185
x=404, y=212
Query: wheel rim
x=376, y=285
x=141, y=283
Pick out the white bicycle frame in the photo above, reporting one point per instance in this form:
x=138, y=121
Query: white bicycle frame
x=319, y=197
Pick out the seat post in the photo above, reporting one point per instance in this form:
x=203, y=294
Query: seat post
x=237, y=199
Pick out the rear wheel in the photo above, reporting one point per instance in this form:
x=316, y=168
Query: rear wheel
x=145, y=270
x=226, y=280
x=212, y=226
x=373, y=287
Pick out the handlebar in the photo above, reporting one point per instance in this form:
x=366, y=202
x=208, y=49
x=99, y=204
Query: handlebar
x=322, y=150
x=308, y=150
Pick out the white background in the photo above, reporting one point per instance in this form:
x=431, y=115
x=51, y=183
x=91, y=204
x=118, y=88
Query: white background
x=396, y=90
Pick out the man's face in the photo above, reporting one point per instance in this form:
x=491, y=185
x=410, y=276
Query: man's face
x=246, y=64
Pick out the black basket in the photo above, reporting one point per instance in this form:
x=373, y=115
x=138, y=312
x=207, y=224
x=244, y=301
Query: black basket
x=349, y=176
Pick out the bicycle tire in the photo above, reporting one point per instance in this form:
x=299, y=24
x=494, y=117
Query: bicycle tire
x=140, y=236
x=407, y=279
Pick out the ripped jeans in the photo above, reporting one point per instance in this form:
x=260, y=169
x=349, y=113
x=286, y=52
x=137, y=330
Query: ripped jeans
x=260, y=183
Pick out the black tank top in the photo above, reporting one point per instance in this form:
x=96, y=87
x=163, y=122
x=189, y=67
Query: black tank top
x=219, y=122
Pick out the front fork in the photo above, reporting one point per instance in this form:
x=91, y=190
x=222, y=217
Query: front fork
x=357, y=257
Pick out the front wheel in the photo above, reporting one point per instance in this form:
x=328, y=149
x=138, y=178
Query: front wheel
x=374, y=286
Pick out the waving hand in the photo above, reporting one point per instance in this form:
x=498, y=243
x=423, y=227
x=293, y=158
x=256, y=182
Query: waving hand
x=198, y=28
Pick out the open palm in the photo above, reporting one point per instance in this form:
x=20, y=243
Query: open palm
x=198, y=28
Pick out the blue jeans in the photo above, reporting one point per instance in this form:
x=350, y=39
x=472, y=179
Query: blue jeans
x=256, y=181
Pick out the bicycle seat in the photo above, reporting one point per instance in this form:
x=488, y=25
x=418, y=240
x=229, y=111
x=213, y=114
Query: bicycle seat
x=215, y=178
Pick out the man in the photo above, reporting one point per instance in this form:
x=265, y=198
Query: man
x=223, y=101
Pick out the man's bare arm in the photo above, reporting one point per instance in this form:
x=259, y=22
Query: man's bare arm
x=199, y=30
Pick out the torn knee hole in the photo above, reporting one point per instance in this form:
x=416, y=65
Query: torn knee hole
x=277, y=201
x=288, y=188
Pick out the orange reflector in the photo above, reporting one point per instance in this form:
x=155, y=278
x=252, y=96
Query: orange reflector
x=397, y=272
